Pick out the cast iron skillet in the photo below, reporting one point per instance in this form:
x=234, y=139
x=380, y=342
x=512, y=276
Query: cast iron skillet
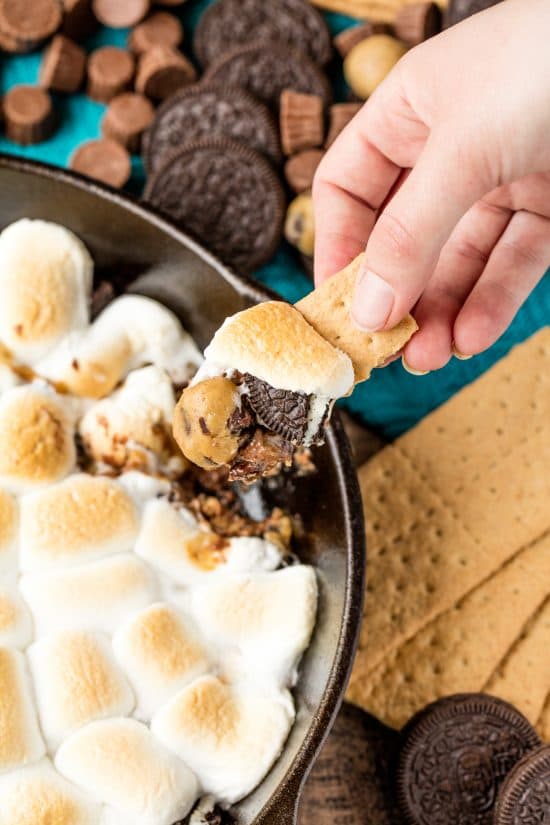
x=126, y=237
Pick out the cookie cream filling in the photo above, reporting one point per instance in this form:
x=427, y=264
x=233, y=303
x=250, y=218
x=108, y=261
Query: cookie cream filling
x=132, y=683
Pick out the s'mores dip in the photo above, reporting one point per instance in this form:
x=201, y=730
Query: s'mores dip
x=150, y=631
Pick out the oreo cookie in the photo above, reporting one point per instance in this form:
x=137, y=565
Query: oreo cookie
x=455, y=756
x=524, y=798
x=202, y=111
x=458, y=10
x=224, y=194
x=266, y=69
x=292, y=22
x=282, y=411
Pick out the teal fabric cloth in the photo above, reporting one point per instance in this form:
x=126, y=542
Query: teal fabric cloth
x=392, y=401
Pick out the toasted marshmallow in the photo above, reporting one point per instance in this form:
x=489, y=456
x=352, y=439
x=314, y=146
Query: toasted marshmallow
x=119, y=762
x=37, y=438
x=20, y=739
x=156, y=336
x=229, y=737
x=132, y=427
x=76, y=681
x=161, y=651
x=8, y=379
x=8, y=532
x=269, y=618
x=94, y=596
x=82, y=518
x=15, y=619
x=171, y=540
x=45, y=284
x=39, y=795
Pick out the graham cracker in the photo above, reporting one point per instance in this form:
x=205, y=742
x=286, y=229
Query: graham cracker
x=543, y=724
x=382, y=11
x=328, y=309
x=460, y=649
x=523, y=677
x=434, y=529
x=487, y=450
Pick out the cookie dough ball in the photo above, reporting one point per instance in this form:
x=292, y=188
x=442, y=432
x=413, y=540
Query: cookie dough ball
x=299, y=227
x=370, y=61
x=201, y=422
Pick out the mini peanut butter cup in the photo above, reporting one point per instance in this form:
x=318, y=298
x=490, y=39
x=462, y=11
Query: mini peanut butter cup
x=104, y=160
x=25, y=26
x=120, y=14
x=339, y=116
x=126, y=119
x=266, y=69
x=458, y=10
x=226, y=195
x=524, y=798
x=455, y=756
x=206, y=111
x=301, y=121
x=417, y=22
x=161, y=29
x=29, y=115
x=110, y=72
x=228, y=24
x=63, y=65
x=300, y=169
x=162, y=71
x=347, y=39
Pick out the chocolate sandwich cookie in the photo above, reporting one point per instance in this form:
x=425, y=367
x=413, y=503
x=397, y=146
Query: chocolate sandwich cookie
x=267, y=69
x=282, y=411
x=224, y=194
x=458, y=10
x=524, y=798
x=293, y=22
x=210, y=111
x=455, y=756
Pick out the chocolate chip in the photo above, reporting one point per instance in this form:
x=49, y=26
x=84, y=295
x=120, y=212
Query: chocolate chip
x=203, y=425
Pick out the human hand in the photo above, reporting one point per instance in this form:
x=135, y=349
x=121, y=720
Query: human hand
x=445, y=176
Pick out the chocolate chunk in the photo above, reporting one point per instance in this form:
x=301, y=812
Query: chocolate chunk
x=300, y=169
x=211, y=111
x=120, y=14
x=63, y=66
x=102, y=295
x=162, y=71
x=79, y=21
x=263, y=456
x=301, y=121
x=340, y=115
x=281, y=411
x=458, y=10
x=29, y=115
x=224, y=194
x=230, y=23
x=126, y=119
x=161, y=29
x=347, y=39
x=267, y=69
x=455, y=756
x=110, y=72
x=25, y=25
x=417, y=22
x=524, y=798
x=104, y=160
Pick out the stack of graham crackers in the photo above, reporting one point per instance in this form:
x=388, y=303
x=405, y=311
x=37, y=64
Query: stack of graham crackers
x=458, y=547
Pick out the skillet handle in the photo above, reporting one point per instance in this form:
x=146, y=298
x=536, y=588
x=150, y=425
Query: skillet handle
x=283, y=809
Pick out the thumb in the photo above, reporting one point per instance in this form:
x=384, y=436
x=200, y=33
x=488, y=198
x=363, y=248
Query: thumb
x=406, y=241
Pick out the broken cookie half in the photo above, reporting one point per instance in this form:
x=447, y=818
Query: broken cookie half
x=271, y=376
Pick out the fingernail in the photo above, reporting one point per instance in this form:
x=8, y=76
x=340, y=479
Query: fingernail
x=411, y=370
x=459, y=355
x=373, y=301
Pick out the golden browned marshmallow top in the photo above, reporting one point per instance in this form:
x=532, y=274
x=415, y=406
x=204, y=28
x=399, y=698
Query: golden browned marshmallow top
x=201, y=422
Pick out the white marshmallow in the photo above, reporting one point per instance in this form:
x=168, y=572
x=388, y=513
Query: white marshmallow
x=268, y=617
x=172, y=541
x=37, y=438
x=142, y=488
x=45, y=284
x=9, y=519
x=20, y=742
x=38, y=795
x=132, y=428
x=161, y=651
x=119, y=762
x=76, y=681
x=82, y=518
x=95, y=596
x=8, y=379
x=229, y=736
x=15, y=620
